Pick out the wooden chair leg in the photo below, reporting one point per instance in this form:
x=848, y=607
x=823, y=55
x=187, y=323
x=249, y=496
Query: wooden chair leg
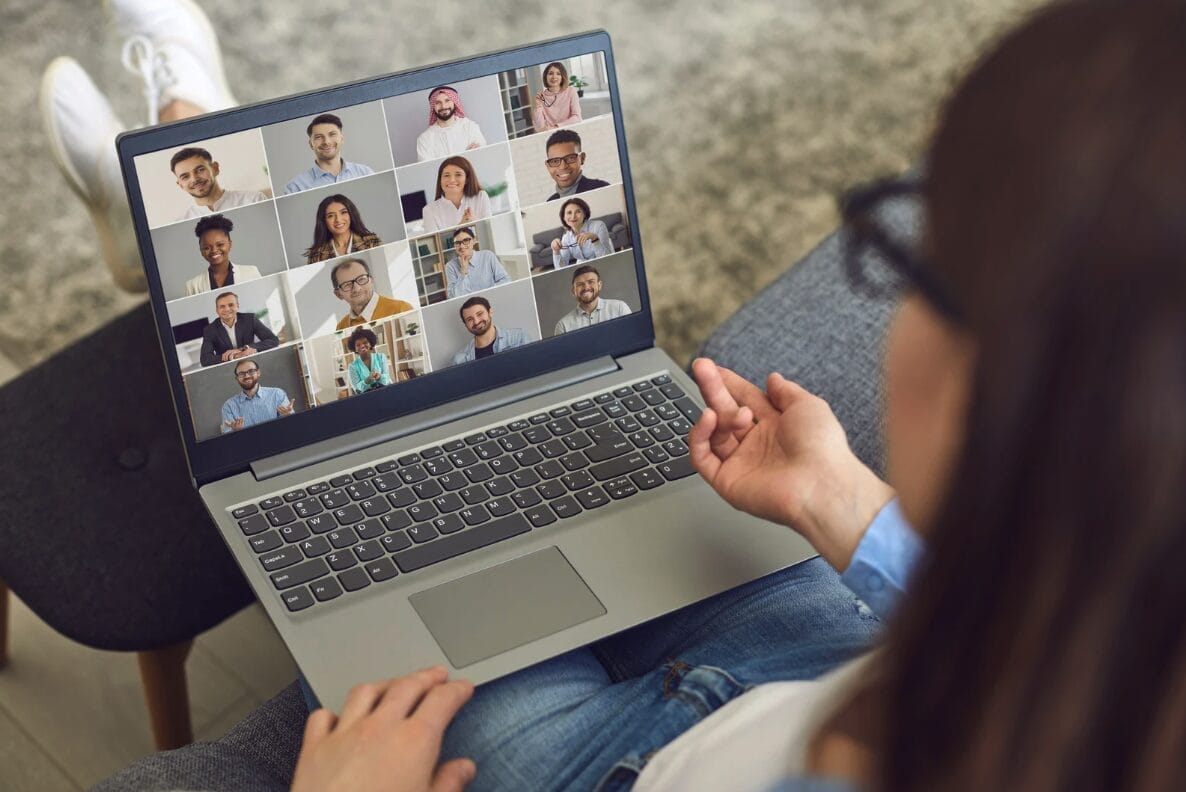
x=3, y=624
x=163, y=673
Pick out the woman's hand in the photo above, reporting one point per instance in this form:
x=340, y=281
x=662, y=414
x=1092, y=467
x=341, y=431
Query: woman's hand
x=556, y=245
x=586, y=236
x=468, y=215
x=781, y=455
x=388, y=737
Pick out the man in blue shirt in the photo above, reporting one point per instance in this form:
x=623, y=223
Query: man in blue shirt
x=487, y=338
x=326, y=140
x=256, y=404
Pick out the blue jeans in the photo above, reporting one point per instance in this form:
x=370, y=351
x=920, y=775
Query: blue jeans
x=591, y=718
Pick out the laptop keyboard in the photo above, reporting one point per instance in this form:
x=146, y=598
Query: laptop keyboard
x=361, y=528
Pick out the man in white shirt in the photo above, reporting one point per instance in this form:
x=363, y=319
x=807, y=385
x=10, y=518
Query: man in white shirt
x=591, y=308
x=196, y=173
x=449, y=131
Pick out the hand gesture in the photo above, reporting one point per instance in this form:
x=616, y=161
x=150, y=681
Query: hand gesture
x=556, y=245
x=539, y=97
x=473, y=146
x=374, y=375
x=235, y=424
x=468, y=215
x=286, y=409
x=782, y=456
x=247, y=350
x=388, y=737
x=586, y=236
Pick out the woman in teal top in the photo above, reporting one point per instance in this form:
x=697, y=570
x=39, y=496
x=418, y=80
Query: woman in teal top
x=369, y=369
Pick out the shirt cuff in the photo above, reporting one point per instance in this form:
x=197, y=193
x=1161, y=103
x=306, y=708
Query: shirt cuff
x=881, y=567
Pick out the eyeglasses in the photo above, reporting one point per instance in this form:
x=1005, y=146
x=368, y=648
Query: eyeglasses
x=246, y=373
x=462, y=241
x=568, y=159
x=880, y=242
x=356, y=283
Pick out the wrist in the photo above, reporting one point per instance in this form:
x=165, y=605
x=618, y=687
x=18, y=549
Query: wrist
x=840, y=511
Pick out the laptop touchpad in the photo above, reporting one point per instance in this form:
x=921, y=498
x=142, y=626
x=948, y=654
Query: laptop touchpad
x=495, y=610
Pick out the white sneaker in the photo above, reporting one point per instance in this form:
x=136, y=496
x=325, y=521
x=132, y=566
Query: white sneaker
x=189, y=63
x=81, y=128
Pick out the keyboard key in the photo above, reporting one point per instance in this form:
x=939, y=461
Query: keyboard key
x=464, y=457
x=689, y=408
x=326, y=590
x=412, y=474
x=373, y=508
x=577, y=440
x=583, y=404
x=559, y=412
x=422, y=533
x=661, y=433
x=540, y=516
x=620, y=488
x=614, y=410
x=420, y=512
x=447, y=503
x=401, y=498
x=397, y=520
x=578, y=480
x=431, y=453
x=371, y=529
x=646, y=418
x=655, y=455
x=609, y=448
x=453, y=445
x=561, y=426
x=500, y=486
x=316, y=546
x=675, y=448
x=503, y=465
x=525, y=478
x=642, y=386
x=342, y=560
x=387, y=482
x=566, y=507
x=386, y=467
x=519, y=425
x=360, y=491
x=294, y=532
x=526, y=498
x=642, y=439
x=301, y=573
x=539, y=418
x=667, y=412
x=438, y=467
x=528, y=456
x=271, y=503
x=588, y=418
x=342, y=480
x=475, y=494
x=244, y=511
x=499, y=507
x=453, y=481
x=254, y=524
x=363, y=473
x=623, y=391
x=321, y=523
x=368, y=551
x=409, y=459
x=603, y=433
x=344, y=537
x=634, y=403
x=281, y=558
x=297, y=599
x=282, y=516
x=427, y=489
x=553, y=449
x=308, y=507
x=677, y=468
x=381, y=570
x=574, y=461
x=552, y=489
x=354, y=579
x=335, y=499
x=462, y=542
x=602, y=398
x=537, y=434
x=264, y=542
x=488, y=450
x=449, y=523
x=395, y=542
x=348, y=515
x=497, y=431
x=662, y=379
x=550, y=469
x=474, y=439
x=618, y=467
x=318, y=488
x=514, y=442
x=475, y=515
x=479, y=473
x=628, y=424
x=653, y=398
x=672, y=391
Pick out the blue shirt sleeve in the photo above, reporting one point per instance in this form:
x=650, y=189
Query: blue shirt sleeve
x=881, y=567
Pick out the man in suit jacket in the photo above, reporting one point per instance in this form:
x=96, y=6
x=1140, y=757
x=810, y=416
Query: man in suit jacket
x=564, y=162
x=234, y=335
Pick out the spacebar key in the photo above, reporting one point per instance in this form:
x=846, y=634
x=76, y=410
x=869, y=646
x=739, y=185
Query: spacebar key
x=463, y=542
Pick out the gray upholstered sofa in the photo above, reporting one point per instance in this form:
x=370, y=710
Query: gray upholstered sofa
x=808, y=324
x=541, y=243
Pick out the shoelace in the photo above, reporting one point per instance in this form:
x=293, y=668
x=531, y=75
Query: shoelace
x=140, y=57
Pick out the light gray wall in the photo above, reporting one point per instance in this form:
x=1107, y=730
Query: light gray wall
x=376, y=199
x=407, y=115
x=512, y=305
x=320, y=308
x=553, y=291
x=255, y=241
x=362, y=128
x=210, y=387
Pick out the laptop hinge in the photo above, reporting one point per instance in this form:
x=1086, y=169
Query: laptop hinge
x=276, y=465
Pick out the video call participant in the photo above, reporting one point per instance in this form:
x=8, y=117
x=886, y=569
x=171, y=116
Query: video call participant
x=354, y=285
x=459, y=196
x=326, y=140
x=449, y=131
x=564, y=162
x=557, y=105
x=233, y=334
x=471, y=270
x=256, y=404
x=487, y=338
x=583, y=238
x=197, y=174
x=591, y=307
x=370, y=369
x=214, y=243
x=339, y=230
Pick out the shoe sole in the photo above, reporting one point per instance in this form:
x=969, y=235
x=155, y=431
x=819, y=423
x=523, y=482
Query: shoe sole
x=56, y=148
x=211, y=41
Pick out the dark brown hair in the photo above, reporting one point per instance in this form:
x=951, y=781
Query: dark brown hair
x=563, y=74
x=1043, y=645
x=584, y=207
x=321, y=233
x=472, y=185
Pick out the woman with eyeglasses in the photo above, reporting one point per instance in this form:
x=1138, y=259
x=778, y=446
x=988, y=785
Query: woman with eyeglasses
x=339, y=230
x=557, y=104
x=583, y=238
x=471, y=270
x=460, y=198
x=1035, y=426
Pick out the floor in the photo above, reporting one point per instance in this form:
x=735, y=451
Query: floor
x=745, y=120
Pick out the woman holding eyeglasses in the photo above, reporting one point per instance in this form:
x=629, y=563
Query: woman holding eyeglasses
x=1035, y=427
x=557, y=104
x=471, y=270
x=583, y=238
x=460, y=198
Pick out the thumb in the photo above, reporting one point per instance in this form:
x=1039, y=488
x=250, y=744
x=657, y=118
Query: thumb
x=783, y=393
x=454, y=775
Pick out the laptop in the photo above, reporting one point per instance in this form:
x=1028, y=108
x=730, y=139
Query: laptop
x=407, y=328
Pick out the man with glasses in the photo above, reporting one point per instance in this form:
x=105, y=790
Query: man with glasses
x=591, y=307
x=354, y=285
x=564, y=162
x=234, y=335
x=256, y=404
x=471, y=269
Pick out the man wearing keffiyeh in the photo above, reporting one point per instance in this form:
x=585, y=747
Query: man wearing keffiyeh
x=449, y=131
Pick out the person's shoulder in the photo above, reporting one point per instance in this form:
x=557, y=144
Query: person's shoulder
x=392, y=305
x=368, y=241
x=589, y=183
x=344, y=322
x=245, y=270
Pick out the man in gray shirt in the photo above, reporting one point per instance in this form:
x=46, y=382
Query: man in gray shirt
x=487, y=338
x=591, y=308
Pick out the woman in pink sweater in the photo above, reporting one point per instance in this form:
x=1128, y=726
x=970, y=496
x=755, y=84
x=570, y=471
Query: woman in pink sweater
x=557, y=105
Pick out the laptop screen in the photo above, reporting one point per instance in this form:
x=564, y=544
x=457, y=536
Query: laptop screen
x=354, y=249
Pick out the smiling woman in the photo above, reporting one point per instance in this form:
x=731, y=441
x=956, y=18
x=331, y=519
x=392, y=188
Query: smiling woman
x=214, y=243
x=339, y=230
